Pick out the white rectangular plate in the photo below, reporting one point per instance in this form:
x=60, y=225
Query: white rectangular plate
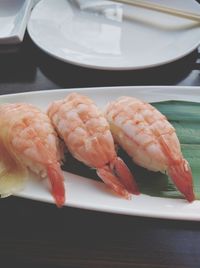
x=89, y=194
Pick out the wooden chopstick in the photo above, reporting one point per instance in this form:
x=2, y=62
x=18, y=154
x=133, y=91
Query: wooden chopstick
x=161, y=8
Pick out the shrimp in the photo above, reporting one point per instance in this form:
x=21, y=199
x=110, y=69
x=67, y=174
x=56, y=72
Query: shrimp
x=87, y=136
x=29, y=141
x=150, y=140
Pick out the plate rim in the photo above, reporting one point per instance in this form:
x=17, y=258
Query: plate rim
x=92, y=88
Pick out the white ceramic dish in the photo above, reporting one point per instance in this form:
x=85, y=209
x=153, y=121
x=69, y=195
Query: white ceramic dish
x=85, y=38
x=89, y=194
x=14, y=15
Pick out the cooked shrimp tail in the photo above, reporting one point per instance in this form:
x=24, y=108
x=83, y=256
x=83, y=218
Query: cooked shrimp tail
x=181, y=175
x=180, y=172
x=119, y=178
x=106, y=174
x=124, y=175
x=56, y=179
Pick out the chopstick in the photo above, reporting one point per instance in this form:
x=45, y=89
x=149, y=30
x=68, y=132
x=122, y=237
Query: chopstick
x=161, y=8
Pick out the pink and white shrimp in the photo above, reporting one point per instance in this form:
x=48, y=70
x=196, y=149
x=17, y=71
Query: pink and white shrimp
x=150, y=140
x=28, y=140
x=87, y=136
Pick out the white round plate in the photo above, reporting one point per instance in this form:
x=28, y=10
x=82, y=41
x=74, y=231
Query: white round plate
x=143, y=38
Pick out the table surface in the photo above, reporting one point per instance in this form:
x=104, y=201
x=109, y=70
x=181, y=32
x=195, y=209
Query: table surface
x=40, y=235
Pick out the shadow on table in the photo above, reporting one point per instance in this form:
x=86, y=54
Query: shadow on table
x=31, y=69
x=66, y=75
x=16, y=64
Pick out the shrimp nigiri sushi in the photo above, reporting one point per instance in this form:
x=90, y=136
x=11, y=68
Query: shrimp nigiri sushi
x=150, y=140
x=87, y=136
x=28, y=141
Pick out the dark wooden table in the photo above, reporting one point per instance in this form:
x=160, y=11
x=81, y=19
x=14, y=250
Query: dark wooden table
x=34, y=234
